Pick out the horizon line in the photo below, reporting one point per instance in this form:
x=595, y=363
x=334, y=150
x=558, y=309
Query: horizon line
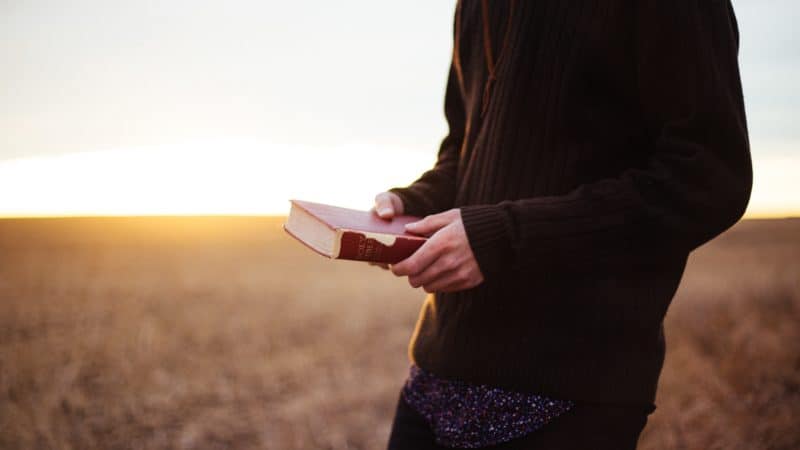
x=751, y=216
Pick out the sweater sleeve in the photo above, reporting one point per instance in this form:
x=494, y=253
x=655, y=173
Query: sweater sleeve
x=697, y=179
x=435, y=190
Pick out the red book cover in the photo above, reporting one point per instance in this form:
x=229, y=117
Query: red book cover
x=343, y=233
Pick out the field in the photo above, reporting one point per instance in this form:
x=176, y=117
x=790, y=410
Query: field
x=205, y=333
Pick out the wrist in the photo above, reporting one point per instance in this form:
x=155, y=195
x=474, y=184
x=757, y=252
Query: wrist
x=487, y=234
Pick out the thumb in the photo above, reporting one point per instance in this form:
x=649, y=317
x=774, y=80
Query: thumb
x=384, y=206
x=428, y=225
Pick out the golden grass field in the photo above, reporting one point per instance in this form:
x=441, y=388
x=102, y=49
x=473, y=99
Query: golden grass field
x=206, y=333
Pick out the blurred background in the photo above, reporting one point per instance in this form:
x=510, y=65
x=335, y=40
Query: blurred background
x=150, y=299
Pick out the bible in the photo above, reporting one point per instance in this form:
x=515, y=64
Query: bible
x=342, y=233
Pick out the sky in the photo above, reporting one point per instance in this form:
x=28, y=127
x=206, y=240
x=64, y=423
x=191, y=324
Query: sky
x=196, y=107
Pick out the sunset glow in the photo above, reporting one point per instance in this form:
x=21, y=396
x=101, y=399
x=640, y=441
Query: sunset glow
x=224, y=177
x=251, y=177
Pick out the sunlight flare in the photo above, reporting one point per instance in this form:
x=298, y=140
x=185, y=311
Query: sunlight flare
x=244, y=177
x=225, y=177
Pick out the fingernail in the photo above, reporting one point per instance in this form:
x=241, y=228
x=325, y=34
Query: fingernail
x=411, y=225
x=384, y=211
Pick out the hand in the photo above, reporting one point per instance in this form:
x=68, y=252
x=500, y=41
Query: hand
x=387, y=205
x=445, y=262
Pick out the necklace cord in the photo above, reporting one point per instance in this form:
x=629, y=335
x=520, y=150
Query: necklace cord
x=488, y=52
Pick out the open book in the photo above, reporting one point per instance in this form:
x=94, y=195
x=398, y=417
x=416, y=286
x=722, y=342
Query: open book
x=343, y=233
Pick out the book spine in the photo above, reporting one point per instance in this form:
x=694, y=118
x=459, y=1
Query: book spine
x=359, y=247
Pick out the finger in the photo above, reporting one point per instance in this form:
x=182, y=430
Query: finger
x=445, y=263
x=420, y=259
x=383, y=206
x=397, y=203
x=446, y=282
x=430, y=224
x=388, y=205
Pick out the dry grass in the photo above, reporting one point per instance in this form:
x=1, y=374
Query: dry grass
x=220, y=333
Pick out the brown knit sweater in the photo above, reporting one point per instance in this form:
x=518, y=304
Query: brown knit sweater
x=613, y=142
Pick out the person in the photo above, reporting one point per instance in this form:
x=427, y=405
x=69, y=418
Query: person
x=592, y=146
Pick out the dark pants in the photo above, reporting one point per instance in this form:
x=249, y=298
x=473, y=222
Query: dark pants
x=584, y=427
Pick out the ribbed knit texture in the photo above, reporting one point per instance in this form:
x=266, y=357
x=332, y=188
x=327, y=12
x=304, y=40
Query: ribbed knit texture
x=614, y=143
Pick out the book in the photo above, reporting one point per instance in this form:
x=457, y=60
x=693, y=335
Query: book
x=342, y=233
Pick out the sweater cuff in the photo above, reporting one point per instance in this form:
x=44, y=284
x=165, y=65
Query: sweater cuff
x=411, y=205
x=488, y=237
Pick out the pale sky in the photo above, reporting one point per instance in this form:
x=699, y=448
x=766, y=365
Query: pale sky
x=166, y=106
